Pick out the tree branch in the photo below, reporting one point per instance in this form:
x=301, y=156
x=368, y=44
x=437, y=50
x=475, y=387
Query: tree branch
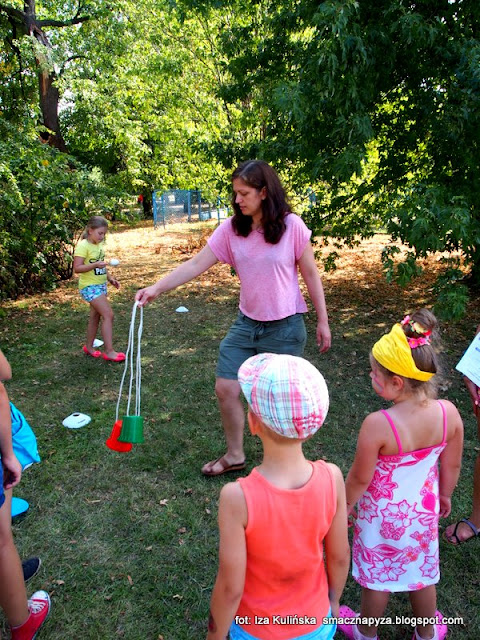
x=20, y=17
x=69, y=59
x=63, y=23
x=18, y=55
x=16, y=14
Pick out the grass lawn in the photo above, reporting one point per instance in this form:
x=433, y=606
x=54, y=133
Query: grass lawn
x=129, y=541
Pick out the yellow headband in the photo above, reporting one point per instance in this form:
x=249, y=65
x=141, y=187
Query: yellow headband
x=393, y=352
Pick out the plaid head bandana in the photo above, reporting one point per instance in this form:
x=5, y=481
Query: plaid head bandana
x=287, y=393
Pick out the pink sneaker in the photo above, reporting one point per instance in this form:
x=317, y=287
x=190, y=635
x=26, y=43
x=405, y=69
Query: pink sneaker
x=348, y=628
x=441, y=628
x=39, y=607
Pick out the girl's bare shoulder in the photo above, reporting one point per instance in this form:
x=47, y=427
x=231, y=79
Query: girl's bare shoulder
x=375, y=430
x=375, y=420
x=448, y=404
x=453, y=414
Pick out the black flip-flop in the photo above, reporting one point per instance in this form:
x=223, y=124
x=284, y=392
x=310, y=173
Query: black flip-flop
x=475, y=531
x=225, y=468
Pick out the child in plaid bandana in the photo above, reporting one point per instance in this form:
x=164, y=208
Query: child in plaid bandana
x=277, y=523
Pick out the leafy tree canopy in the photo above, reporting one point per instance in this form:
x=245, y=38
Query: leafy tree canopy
x=376, y=104
x=124, y=95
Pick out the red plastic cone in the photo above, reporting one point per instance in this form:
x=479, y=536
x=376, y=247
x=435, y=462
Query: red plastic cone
x=113, y=442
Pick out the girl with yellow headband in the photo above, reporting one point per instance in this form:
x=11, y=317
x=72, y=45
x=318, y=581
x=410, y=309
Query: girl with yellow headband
x=396, y=483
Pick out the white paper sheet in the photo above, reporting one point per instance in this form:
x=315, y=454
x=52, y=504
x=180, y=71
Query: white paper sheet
x=469, y=364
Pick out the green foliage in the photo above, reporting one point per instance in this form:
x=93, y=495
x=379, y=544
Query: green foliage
x=376, y=106
x=401, y=272
x=144, y=81
x=45, y=200
x=18, y=86
x=137, y=110
x=137, y=88
x=451, y=294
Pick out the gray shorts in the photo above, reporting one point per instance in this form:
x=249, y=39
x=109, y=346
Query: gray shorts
x=247, y=337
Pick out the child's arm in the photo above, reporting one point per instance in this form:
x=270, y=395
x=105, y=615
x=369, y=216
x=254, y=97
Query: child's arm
x=5, y=368
x=228, y=589
x=337, y=550
x=12, y=469
x=450, y=458
x=79, y=265
x=370, y=440
x=113, y=281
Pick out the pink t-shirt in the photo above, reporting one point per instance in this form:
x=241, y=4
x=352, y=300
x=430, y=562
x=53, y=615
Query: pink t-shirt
x=268, y=273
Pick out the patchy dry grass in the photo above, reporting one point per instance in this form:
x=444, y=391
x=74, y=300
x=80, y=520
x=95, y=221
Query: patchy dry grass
x=128, y=541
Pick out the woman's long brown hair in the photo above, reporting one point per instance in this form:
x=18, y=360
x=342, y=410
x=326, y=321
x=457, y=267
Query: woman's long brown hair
x=259, y=174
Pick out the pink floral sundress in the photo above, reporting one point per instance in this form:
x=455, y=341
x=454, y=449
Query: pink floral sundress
x=395, y=546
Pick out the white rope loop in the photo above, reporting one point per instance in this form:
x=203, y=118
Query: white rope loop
x=129, y=360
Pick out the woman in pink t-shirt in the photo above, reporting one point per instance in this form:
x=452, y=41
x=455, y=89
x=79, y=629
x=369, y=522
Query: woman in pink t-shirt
x=267, y=245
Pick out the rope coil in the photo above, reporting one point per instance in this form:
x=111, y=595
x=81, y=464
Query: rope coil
x=138, y=364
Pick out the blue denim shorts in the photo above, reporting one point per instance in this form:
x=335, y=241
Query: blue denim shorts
x=247, y=337
x=323, y=632
x=93, y=291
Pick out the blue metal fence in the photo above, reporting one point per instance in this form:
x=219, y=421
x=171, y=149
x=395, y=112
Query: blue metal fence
x=185, y=205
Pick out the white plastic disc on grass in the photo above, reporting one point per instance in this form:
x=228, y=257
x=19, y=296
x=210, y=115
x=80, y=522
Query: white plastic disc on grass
x=97, y=343
x=181, y=310
x=76, y=420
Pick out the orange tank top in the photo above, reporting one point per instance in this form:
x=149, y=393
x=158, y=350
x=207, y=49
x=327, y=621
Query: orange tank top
x=286, y=590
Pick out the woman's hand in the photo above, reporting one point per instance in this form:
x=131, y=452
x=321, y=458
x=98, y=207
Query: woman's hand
x=324, y=337
x=474, y=395
x=144, y=296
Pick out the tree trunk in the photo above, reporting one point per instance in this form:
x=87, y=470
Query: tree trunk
x=48, y=92
x=147, y=206
x=474, y=275
x=49, y=97
x=26, y=23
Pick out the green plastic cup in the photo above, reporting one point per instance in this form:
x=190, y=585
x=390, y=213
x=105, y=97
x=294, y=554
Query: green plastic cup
x=132, y=429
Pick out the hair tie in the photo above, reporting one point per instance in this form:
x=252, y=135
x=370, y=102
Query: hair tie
x=417, y=327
